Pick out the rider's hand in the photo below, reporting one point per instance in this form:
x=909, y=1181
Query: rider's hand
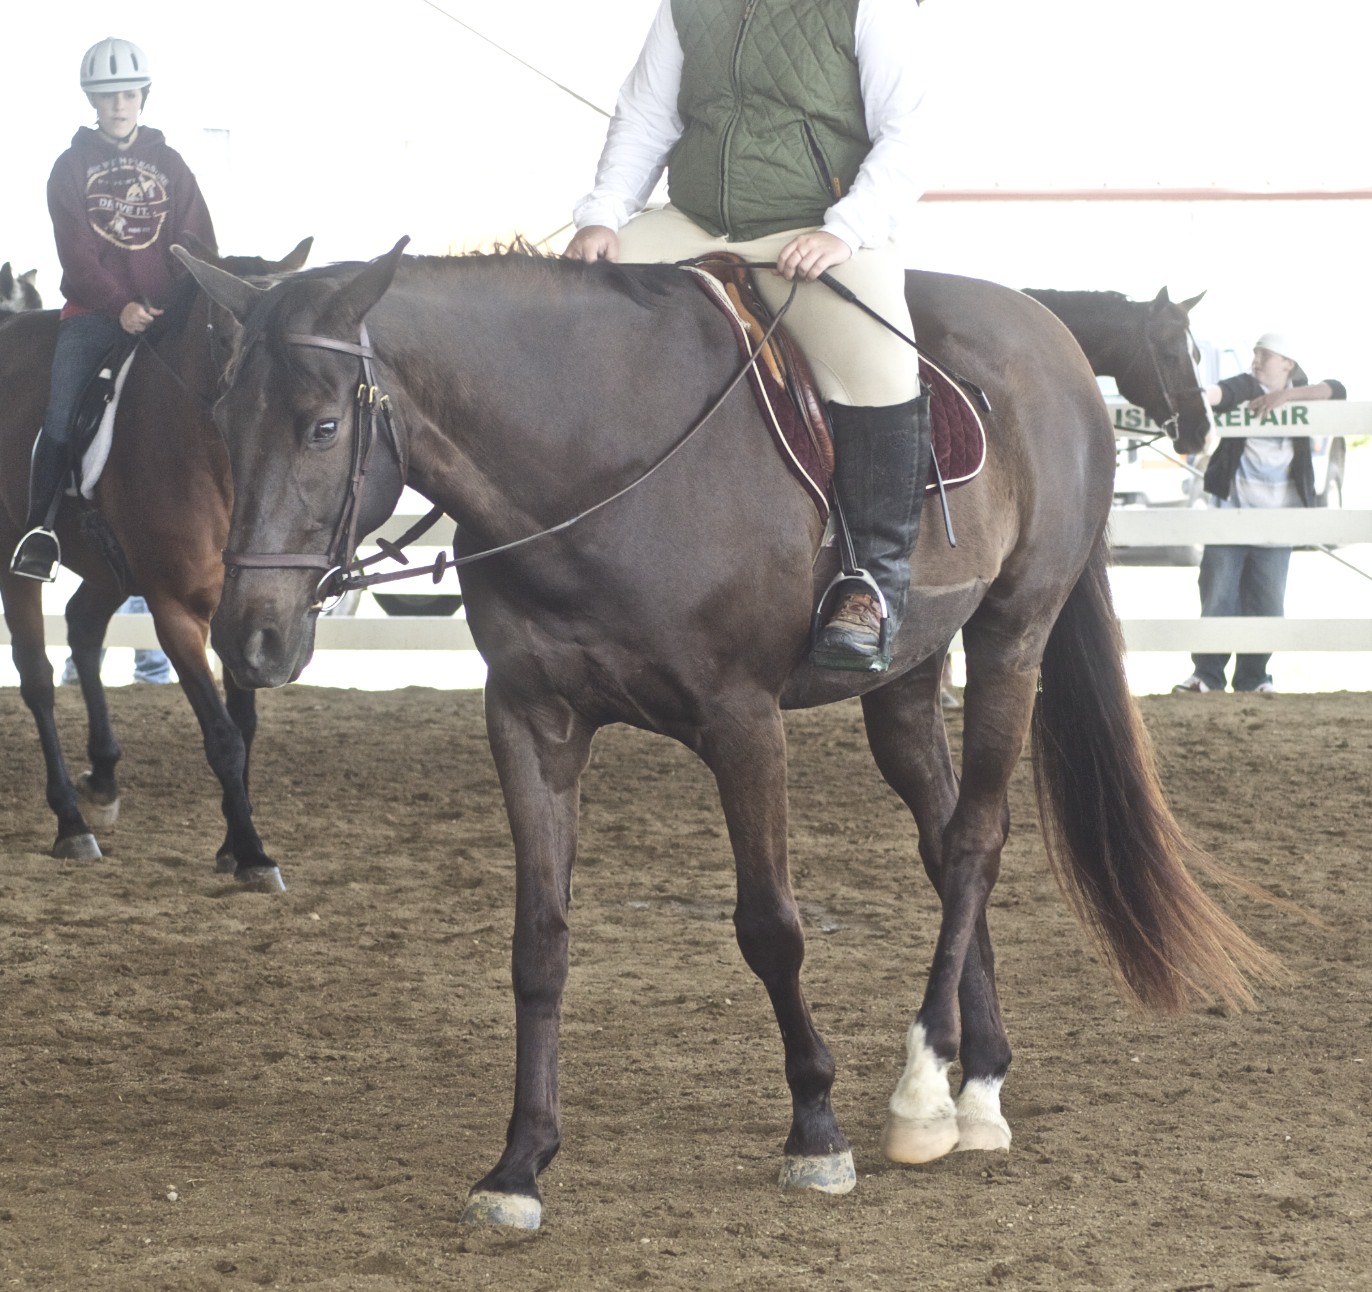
x=1271, y=399
x=136, y=317
x=811, y=254
x=594, y=242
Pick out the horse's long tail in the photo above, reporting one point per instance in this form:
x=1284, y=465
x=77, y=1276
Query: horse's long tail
x=1114, y=845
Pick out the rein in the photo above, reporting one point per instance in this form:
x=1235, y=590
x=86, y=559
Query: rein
x=341, y=572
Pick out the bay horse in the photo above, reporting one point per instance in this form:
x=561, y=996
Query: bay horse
x=1146, y=346
x=159, y=522
x=526, y=391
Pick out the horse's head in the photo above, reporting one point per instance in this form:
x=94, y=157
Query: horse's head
x=301, y=415
x=1162, y=378
x=18, y=295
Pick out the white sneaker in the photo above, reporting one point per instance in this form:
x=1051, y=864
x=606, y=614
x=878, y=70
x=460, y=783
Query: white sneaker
x=1265, y=688
x=1192, y=686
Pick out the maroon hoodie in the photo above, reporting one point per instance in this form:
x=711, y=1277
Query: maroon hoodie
x=116, y=215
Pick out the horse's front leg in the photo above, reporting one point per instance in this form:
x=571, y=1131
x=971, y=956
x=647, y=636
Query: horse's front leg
x=923, y=1122
x=23, y=603
x=540, y=753
x=227, y=732
x=88, y=617
x=746, y=750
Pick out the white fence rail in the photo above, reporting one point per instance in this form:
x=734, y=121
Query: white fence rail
x=1128, y=528
x=1155, y=528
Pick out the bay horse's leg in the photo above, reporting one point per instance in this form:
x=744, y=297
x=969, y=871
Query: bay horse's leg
x=905, y=729
x=540, y=753
x=23, y=602
x=227, y=732
x=746, y=751
x=88, y=617
x=998, y=701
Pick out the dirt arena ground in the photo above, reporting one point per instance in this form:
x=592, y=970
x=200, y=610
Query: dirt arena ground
x=212, y=1089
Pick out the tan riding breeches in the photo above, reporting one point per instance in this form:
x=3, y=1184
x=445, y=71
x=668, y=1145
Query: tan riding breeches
x=855, y=359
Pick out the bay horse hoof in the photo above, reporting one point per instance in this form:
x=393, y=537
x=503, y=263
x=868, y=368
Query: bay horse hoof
x=832, y=1173
x=510, y=1210
x=99, y=808
x=77, y=847
x=912, y=1142
x=262, y=879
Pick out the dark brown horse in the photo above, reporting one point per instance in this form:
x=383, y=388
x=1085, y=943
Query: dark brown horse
x=1146, y=346
x=526, y=391
x=158, y=525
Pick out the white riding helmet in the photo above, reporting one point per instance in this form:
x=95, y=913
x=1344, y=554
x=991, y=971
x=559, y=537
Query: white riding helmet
x=114, y=64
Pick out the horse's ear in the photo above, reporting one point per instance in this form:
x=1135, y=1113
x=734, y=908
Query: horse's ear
x=1188, y=306
x=222, y=287
x=29, y=277
x=343, y=315
x=1162, y=297
x=292, y=262
x=197, y=248
x=6, y=279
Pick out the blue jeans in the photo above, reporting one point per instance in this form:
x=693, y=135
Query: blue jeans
x=1241, y=581
x=82, y=341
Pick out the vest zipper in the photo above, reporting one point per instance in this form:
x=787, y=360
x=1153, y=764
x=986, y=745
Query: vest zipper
x=733, y=119
x=826, y=172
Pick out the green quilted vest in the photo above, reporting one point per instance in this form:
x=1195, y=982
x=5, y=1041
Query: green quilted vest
x=774, y=125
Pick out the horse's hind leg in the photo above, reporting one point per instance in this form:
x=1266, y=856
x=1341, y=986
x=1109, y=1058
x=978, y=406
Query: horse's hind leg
x=746, y=750
x=961, y=835
x=24, y=615
x=540, y=752
x=88, y=616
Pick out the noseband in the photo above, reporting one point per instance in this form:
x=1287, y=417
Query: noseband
x=370, y=406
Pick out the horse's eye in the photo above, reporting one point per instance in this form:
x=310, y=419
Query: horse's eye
x=324, y=433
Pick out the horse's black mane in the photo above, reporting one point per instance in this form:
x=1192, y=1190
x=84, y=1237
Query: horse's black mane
x=645, y=285
x=1045, y=294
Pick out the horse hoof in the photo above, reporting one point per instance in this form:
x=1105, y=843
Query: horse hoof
x=913, y=1142
x=77, y=847
x=980, y=1124
x=983, y=1136
x=832, y=1173
x=262, y=879
x=510, y=1210
x=100, y=810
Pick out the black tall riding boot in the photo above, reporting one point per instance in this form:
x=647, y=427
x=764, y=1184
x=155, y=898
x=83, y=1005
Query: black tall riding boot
x=38, y=554
x=881, y=466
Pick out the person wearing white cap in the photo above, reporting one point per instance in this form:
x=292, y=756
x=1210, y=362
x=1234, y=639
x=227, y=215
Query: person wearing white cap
x=119, y=198
x=1257, y=471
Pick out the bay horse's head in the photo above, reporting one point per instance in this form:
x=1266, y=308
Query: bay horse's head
x=314, y=462
x=1162, y=378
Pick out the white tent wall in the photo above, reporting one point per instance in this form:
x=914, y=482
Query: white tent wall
x=332, y=119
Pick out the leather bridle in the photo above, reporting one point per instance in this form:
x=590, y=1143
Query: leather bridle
x=370, y=408
x=1172, y=423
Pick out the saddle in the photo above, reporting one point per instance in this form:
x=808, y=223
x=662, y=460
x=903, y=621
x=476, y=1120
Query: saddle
x=784, y=387
x=93, y=422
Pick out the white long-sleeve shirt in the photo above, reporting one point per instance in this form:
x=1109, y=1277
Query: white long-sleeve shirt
x=646, y=126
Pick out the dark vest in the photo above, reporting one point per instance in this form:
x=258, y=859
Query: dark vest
x=772, y=109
